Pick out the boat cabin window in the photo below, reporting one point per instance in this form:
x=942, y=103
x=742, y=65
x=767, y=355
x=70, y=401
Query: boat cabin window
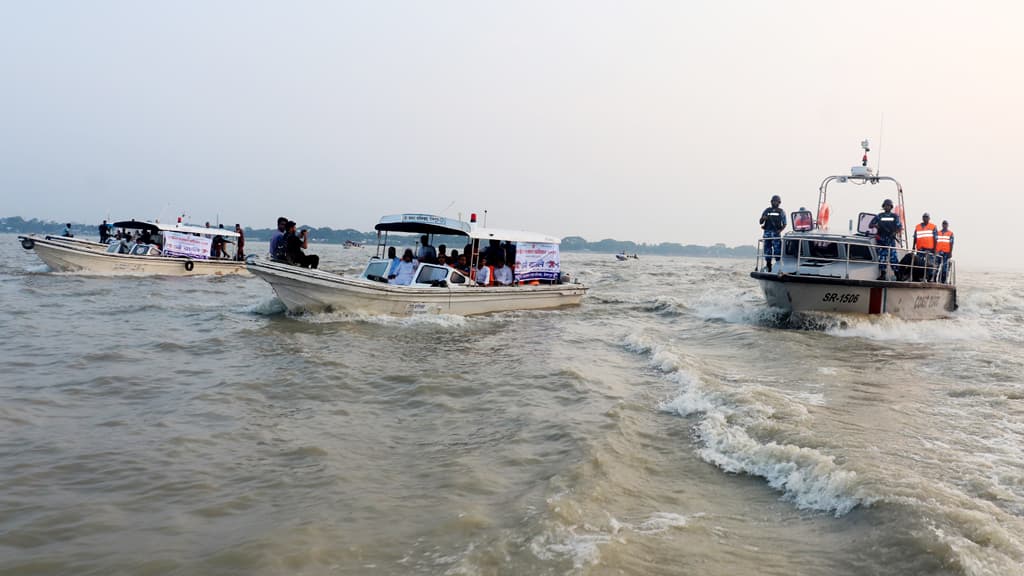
x=458, y=278
x=803, y=221
x=377, y=270
x=140, y=250
x=828, y=250
x=859, y=252
x=430, y=273
x=864, y=224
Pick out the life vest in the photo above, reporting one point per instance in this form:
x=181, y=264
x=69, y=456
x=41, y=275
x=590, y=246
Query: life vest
x=888, y=224
x=773, y=219
x=944, y=242
x=924, y=236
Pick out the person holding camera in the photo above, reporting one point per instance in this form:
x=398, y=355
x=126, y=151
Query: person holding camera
x=295, y=243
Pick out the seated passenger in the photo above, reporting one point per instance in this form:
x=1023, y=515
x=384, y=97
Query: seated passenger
x=294, y=244
x=403, y=273
x=393, y=261
x=502, y=273
x=453, y=258
x=462, y=264
x=483, y=272
x=442, y=259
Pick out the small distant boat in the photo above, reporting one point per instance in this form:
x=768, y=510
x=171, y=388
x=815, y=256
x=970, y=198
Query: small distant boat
x=353, y=244
x=825, y=272
x=181, y=250
x=434, y=289
x=622, y=256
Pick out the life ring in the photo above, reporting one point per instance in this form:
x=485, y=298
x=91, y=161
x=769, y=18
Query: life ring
x=899, y=213
x=189, y=265
x=28, y=243
x=823, y=214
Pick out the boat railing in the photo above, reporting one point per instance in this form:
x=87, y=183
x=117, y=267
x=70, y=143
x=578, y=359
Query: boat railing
x=921, y=267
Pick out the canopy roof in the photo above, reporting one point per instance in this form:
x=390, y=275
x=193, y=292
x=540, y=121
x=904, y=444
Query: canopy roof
x=430, y=224
x=154, y=227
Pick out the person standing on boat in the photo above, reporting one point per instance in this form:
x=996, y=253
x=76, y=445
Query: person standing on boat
x=944, y=248
x=426, y=252
x=773, y=222
x=240, y=250
x=925, y=237
x=104, y=233
x=888, y=227
x=67, y=231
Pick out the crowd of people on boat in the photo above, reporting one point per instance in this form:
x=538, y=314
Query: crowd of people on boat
x=932, y=247
x=154, y=237
x=493, y=264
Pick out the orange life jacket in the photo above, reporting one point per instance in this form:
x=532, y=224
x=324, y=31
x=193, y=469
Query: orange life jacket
x=924, y=236
x=944, y=242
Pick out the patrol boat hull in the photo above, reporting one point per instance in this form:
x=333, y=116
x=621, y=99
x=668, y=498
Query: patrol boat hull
x=62, y=256
x=911, y=301
x=305, y=290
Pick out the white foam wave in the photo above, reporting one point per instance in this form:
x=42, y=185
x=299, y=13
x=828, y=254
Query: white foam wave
x=440, y=320
x=37, y=269
x=886, y=328
x=268, y=307
x=807, y=477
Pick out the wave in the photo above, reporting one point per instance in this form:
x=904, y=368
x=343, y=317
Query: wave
x=806, y=476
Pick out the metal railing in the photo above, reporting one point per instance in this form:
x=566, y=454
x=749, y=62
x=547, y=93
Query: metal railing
x=935, y=269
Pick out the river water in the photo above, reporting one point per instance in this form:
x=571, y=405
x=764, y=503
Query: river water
x=668, y=425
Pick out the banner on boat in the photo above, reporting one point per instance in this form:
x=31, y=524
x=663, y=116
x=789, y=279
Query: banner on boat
x=536, y=261
x=178, y=244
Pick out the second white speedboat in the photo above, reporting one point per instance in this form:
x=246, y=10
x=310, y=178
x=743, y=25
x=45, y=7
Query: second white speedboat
x=435, y=289
x=175, y=250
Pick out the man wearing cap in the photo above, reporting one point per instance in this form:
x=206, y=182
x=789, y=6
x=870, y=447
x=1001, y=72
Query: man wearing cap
x=944, y=248
x=888, y=227
x=773, y=222
x=925, y=239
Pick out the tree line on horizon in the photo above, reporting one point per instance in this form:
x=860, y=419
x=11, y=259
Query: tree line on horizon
x=18, y=225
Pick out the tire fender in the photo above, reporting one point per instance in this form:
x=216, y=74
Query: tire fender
x=189, y=265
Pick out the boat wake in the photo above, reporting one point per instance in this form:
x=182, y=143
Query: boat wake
x=727, y=423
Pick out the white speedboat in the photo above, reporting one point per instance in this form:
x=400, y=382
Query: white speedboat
x=821, y=271
x=174, y=250
x=434, y=289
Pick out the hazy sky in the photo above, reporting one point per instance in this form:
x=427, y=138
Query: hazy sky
x=649, y=121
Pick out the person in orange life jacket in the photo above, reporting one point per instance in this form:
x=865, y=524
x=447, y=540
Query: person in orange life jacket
x=888, y=226
x=944, y=248
x=773, y=222
x=924, y=241
x=925, y=235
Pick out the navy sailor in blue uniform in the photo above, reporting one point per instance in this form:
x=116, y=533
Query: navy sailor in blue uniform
x=773, y=222
x=889, y=227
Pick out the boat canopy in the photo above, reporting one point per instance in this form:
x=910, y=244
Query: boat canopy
x=154, y=227
x=431, y=224
x=422, y=224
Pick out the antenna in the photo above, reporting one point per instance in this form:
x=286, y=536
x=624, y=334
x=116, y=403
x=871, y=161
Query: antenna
x=450, y=204
x=878, y=156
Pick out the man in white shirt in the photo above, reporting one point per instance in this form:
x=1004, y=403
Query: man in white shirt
x=502, y=273
x=403, y=272
x=483, y=273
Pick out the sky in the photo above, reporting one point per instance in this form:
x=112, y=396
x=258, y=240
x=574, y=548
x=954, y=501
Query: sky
x=636, y=120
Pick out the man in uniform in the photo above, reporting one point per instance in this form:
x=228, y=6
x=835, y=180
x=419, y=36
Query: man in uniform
x=773, y=222
x=888, y=227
